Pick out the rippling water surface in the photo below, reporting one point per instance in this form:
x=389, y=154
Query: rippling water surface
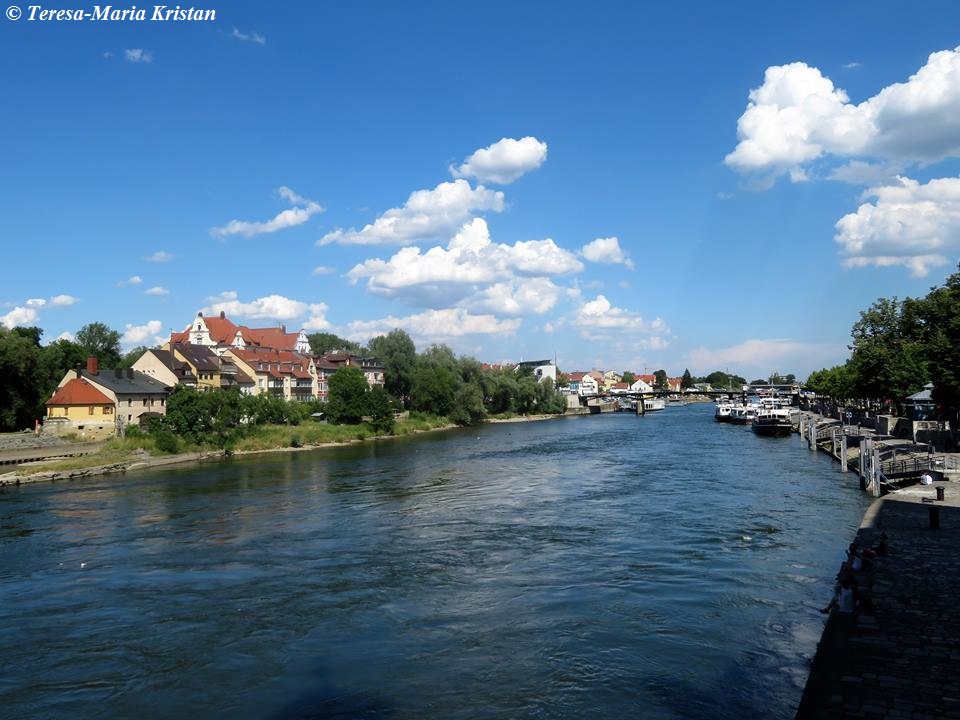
x=609, y=566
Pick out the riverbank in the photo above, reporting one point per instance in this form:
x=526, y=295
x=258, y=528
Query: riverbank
x=899, y=659
x=142, y=460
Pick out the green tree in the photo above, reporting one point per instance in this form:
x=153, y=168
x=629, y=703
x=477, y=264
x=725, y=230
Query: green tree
x=380, y=408
x=628, y=377
x=686, y=381
x=660, y=380
x=97, y=339
x=836, y=383
x=21, y=394
x=131, y=357
x=347, y=403
x=935, y=321
x=468, y=406
x=324, y=342
x=887, y=358
x=398, y=355
x=434, y=389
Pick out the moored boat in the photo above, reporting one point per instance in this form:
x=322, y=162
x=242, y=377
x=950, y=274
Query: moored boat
x=773, y=421
x=652, y=404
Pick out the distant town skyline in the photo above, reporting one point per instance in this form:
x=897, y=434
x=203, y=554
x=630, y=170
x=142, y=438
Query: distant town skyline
x=704, y=187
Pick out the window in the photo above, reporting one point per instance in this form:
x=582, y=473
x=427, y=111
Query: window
x=90, y=410
x=108, y=409
x=129, y=402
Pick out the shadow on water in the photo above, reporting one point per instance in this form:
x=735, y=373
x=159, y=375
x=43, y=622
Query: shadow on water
x=325, y=701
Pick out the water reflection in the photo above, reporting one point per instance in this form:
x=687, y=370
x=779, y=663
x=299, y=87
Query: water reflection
x=612, y=566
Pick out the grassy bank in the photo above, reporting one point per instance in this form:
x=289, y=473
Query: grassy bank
x=261, y=438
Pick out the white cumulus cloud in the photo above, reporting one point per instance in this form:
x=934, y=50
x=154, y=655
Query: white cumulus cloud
x=323, y=270
x=470, y=257
x=272, y=307
x=160, y=256
x=910, y=224
x=317, y=319
x=426, y=215
x=137, y=334
x=157, y=291
x=797, y=115
x=606, y=250
x=504, y=161
x=598, y=318
x=62, y=301
x=530, y=296
x=284, y=219
x=434, y=326
x=20, y=316
x=132, y=280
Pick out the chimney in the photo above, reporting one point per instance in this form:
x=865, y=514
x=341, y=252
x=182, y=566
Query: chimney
x=283, y=329
x=79, y=372
x=223, y=315
x=130, y=373
x=92, y=367
x=118, y=372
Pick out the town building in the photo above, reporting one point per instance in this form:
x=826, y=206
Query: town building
x=283, y=373
x=78, y=407
x=543, y=370
x=134, y=395
x=220, y=333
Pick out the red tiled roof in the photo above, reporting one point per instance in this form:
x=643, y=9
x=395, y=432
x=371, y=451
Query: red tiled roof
x=270, y=338
x=79, y=392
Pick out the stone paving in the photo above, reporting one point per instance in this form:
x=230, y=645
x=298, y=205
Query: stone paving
x=903, y=660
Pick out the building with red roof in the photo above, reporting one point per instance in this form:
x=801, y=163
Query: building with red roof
x=219, y=332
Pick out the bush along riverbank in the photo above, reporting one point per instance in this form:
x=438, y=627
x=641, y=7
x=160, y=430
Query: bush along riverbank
x=162, y=447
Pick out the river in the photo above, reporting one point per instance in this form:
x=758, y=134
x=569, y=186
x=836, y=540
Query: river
x=610, y=566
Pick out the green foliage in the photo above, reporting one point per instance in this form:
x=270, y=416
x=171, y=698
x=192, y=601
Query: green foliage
x=166, y=442
x=935, y=321
x=468, y=406
x=398, y=355
x=628, y=377
x=97, y=339
x=295, y=441
x=380, y=409
x=347, y=403
x=836, y=382
x=434, y=389
x=131, y=357
x=660, y=380
x=687, y=380
x=887, y=355
x=22, y=382
x=324, y=342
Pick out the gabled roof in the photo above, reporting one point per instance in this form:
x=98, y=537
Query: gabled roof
x=79, y=392
x=276, y=338
x=126, y=382
x=200, y=356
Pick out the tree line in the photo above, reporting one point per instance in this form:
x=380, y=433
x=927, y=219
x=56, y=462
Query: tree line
x=434, y=381
x=897, y=347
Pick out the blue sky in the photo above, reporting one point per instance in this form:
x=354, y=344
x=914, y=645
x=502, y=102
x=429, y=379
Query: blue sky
x=622, y=185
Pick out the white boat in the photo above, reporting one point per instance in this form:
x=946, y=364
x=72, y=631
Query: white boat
x=742, y=414
x=721, y=411
x=652, y=404
x=773, y=421
x=774, y=417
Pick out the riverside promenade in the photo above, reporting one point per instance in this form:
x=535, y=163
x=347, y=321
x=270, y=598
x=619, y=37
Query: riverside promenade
x=902, y=658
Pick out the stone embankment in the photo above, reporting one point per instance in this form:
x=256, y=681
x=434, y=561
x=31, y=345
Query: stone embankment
x=901, y=656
